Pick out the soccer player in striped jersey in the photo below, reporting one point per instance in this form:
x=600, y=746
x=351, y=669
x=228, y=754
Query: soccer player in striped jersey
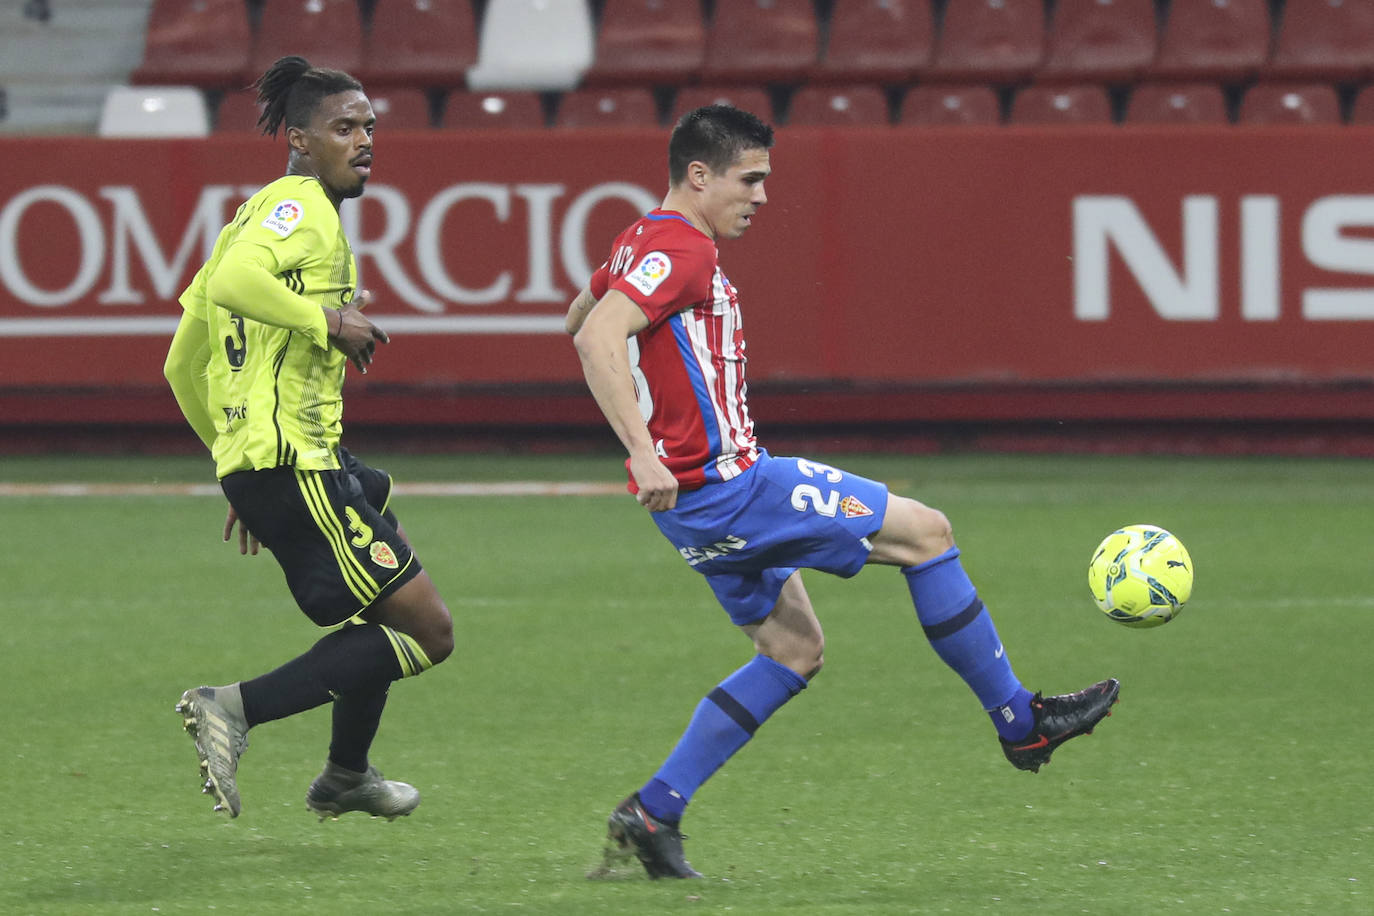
x=257, y=365
x=676, y=398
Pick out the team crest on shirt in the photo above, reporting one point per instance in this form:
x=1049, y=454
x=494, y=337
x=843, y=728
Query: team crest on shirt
x=285, y=217
x=853, y=508
x=651, y=271
x=382, y=555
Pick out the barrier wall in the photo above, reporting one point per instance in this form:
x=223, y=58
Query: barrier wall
x=895, y=274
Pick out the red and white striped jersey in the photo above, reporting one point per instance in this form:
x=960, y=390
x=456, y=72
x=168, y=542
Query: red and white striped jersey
x=688, y=364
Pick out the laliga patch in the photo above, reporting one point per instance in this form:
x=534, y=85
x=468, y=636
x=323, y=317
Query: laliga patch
x=853, y=508
x=650, y=272
x=285, y=217
x=382, y=555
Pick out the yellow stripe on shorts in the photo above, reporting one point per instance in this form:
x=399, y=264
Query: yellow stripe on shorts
x=354, y=573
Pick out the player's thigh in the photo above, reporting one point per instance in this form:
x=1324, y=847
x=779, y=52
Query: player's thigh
x=791, y=634
x=912, y=533
x=417, y=610
x=338, y=553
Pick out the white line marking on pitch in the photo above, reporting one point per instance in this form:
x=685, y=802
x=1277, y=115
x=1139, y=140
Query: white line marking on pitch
x=507, y=488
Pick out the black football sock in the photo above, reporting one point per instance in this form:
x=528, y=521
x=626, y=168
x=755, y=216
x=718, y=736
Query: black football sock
x=354, y=660
x=356, y=717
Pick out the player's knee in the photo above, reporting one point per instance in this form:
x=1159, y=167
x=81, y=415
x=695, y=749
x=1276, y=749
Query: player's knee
x=804, y=654
x=437, y=640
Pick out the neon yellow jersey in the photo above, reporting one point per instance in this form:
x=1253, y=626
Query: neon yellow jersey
x=275, y=386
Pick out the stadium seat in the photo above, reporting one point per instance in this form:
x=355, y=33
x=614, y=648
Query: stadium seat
x=468, y=110
x=238, y=111
x=419, y=43
x=1362, y=112
x=760, y=41
x=1290, y=103
x=878, y=41
x=748, y=98
x=533, y=44
x=1061, y=105
x=631, y=107
x=1324, y=40
x=839, y=106
x=202, y=43
x=328, y=33
x=153, y=111
x=401, y=109
x=1226, y=40
x=648, y=42
x=992, y=41
x=944, y=106
x=1107, y=40
x=1177, y=103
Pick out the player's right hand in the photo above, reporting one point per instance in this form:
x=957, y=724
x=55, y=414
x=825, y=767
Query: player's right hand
x=357, y=337
x=657, y=485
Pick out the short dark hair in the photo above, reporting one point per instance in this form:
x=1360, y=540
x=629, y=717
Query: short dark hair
x=291, y=90
x=715, y=135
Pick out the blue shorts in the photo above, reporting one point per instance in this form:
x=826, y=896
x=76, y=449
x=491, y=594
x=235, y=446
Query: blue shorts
x=749, y=534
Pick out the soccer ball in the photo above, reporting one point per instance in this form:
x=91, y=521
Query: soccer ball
x=1141, y=575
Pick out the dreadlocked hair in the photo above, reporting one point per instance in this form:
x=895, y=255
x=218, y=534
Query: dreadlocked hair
x=291, y=90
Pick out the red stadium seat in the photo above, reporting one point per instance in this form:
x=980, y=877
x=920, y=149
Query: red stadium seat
x=879, y=41
x=607, y=108
x=1224, y=40
x=328, y=33
x=648, y=42
x=1177, y=103
x=1107, y=40
x=1290, y=103
x=1061, y=105
x=1324, y=40
x=468, y=110
x=401, y=109
x=760, y=41
x=419, y=43
x=195, y=42
x=1362, y=112
x=839, y=106
x=993, y=41
x=238, y=111
x=749, y=98
x=941, y=106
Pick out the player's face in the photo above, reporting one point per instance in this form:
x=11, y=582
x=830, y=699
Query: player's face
x=338, y=143
x=733, y=196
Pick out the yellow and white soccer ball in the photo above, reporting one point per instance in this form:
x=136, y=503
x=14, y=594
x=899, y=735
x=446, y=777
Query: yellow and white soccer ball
x=1141, y=576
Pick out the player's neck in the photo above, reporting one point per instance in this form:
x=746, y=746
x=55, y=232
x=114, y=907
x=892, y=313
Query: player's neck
x=679, y=204
x=295, y=166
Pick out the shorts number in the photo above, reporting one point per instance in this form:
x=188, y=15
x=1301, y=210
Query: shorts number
x=805, y=496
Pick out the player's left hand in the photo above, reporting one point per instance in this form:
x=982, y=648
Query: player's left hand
x=247, y=543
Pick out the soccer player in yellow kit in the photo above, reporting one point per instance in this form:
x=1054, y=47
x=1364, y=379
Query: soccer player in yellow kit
x=257, y=366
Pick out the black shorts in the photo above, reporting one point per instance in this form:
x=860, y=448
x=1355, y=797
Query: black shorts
x=331, y=532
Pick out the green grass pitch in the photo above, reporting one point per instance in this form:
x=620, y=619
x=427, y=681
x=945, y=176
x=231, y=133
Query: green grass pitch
x=1234, y=776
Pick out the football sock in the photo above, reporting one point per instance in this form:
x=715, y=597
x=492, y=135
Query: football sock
x=961, y=631
x=723, y=722
x=355, y=717
x=355, y=659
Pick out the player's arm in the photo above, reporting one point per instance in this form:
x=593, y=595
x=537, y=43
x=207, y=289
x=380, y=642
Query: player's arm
x=578, y=311
x=246, y=283
x=600, y=343
x=185, y=370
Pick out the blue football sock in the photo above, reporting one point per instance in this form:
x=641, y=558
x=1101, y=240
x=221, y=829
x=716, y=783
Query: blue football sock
x=962, y=633
x=723, y=722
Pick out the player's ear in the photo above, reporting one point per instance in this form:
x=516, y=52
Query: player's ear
x=697, y=173
x=295, y=137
